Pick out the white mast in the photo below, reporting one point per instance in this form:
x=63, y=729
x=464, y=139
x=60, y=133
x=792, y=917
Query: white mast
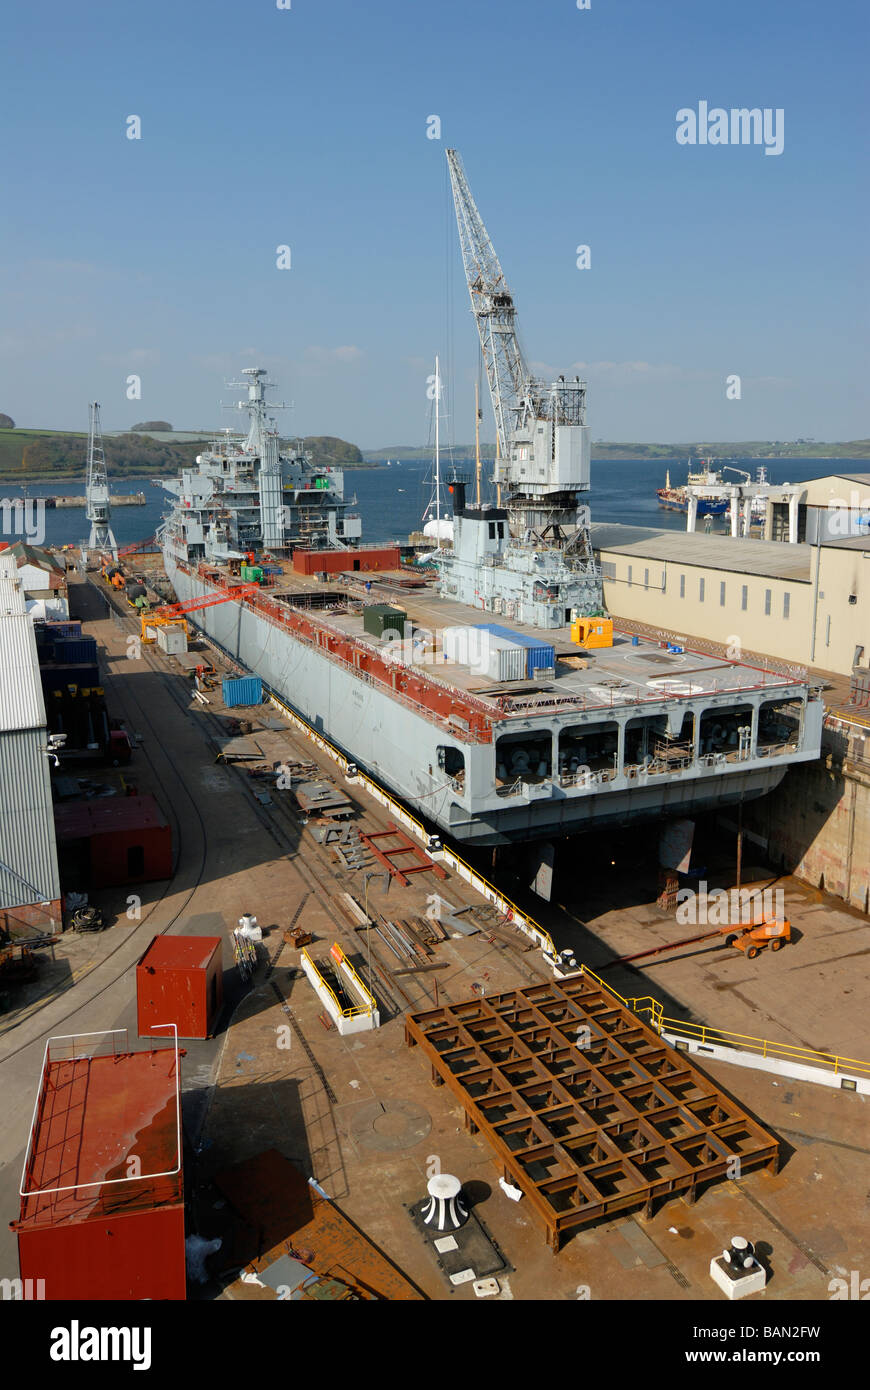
x=437, y=451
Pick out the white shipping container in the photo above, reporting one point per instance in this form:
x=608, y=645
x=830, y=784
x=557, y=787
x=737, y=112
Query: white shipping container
x=485, y=653
x=172, y=639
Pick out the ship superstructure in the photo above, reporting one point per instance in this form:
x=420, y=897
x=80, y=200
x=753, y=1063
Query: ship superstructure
x=247, y=493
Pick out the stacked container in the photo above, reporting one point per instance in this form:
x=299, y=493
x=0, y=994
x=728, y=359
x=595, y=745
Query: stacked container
x=540, y=656
x=485, y=653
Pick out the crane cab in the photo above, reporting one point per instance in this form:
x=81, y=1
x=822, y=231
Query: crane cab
x=592, y=632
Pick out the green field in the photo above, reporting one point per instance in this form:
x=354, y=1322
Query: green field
x=664, y=453
x=47, y=455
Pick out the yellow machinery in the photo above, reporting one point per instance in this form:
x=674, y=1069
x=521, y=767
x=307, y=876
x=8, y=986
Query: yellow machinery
x=153, y=620
x=592, y=632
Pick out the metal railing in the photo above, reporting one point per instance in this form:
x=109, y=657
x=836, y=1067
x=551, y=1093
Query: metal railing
x=701, y=1033
x=93, y=1052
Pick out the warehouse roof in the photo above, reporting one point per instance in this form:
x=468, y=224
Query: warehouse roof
x=21, y=702
x=772, y=559
x=36, y=555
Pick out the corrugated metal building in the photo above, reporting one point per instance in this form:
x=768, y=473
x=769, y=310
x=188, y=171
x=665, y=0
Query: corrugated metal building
x=29, y=879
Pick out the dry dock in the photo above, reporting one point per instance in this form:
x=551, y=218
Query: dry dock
x=359, y=1114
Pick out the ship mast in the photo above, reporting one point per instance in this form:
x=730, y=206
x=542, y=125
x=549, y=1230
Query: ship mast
x=98, y=509
x=437, y=451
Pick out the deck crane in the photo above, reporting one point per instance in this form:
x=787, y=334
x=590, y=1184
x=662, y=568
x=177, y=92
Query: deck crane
x=171, y=612
x=97, y=489
x=543, y=437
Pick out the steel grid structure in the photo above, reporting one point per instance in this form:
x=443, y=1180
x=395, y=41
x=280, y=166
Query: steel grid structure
x=589, y=1112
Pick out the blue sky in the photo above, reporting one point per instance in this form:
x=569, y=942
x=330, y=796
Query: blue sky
x=307, y=127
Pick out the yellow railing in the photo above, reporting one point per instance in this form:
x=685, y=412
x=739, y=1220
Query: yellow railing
x=699, y=1032
x=345, y=1013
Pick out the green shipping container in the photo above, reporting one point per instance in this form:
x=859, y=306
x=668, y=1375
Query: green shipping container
x=381, y=617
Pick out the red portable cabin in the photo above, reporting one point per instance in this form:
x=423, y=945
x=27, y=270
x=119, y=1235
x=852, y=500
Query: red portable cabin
x=180, y=980
x=102, y=1216
x=347, y=561
x=117, y=840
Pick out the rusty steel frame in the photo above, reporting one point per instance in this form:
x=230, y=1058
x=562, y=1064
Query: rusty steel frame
x=408, y=846
x=586, y=1124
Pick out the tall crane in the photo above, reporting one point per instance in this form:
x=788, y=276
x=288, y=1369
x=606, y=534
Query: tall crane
x=543, y=437
x=97, y=489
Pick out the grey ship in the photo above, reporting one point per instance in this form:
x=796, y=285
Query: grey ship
x=598, y=738
x=603, y=737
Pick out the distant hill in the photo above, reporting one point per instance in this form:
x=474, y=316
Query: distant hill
x=148, y=425
x=669, y=453
x=6, y=422
x=35, y=455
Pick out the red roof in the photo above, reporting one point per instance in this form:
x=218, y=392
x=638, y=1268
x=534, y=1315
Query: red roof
x=78, y=820
x=94, y=1115
x=181, y=952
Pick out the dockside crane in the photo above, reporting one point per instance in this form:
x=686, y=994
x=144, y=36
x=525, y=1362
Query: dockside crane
x=97, y=489
x=543, y=438
x=175, y=612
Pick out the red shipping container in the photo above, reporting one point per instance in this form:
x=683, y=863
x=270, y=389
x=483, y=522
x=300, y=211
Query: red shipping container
x=124, y=839
x=351, y=561
x=179, y=980
x=103, y=1212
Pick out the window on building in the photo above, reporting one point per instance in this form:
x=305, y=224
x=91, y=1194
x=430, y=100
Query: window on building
x=722, y=593
x=501, y=530
x=786, y=605
x=682, y=586
x=646, y=578
x=767, y=599
x=701, y=590
x=492, y=530
x=629, y=576
x=744, y=597
x=608, y=569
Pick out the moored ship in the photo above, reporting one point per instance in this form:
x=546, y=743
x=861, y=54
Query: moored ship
x=676, y=499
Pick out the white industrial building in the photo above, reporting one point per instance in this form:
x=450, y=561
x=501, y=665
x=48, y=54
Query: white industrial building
x=29, y=879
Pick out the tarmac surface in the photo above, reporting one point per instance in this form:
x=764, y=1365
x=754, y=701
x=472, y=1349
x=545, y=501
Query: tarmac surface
x=359, y=1114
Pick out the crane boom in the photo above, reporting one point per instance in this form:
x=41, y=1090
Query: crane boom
x=190, y=605
x=543, y=439
x=492, y=305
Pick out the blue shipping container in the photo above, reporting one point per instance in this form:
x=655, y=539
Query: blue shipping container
x=75, y=649
x=57, y=676
x=245, y=690
x=539, y=656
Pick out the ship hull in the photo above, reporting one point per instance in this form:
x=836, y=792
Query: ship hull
x=706, y=506
x=399, y=747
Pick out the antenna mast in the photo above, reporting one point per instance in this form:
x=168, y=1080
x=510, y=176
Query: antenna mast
x=97, y=489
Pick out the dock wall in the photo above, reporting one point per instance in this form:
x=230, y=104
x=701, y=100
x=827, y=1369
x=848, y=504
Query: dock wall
x=816, y=823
